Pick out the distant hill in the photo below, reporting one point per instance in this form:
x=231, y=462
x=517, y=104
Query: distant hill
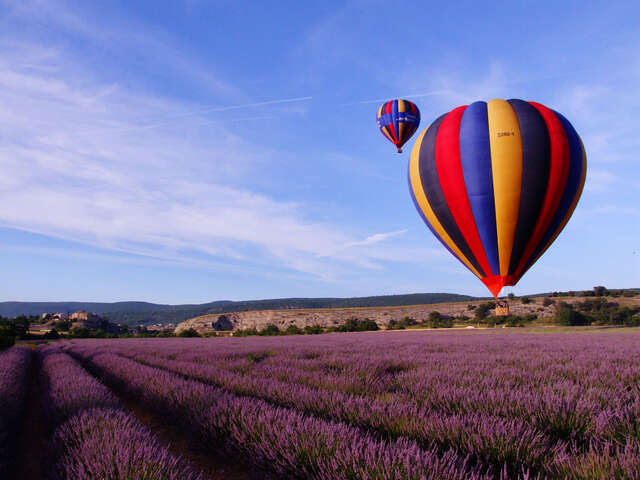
x=134, y=313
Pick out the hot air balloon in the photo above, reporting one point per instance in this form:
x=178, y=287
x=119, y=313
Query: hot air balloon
x=398, y=120
x=496, y=182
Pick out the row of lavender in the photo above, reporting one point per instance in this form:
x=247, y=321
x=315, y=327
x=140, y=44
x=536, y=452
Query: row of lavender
x=553, y=404
x=92, y=436
x=14, y=373
x=488, y=439
x=281, y=442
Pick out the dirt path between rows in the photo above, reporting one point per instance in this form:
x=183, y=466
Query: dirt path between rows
x=32, y=438
x=214, y=466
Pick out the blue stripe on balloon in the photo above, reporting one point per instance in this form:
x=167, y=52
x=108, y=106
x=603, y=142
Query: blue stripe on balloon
x=402, y=117
x=475, y=156
x=396, y=124
x=570, y=190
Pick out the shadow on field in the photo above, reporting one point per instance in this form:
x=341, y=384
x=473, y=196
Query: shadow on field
x=215, y=467
x=32, y=439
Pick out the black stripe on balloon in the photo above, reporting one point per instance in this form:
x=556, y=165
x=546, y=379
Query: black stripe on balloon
x=536, y=153
x=572, y=187
x=433, y=191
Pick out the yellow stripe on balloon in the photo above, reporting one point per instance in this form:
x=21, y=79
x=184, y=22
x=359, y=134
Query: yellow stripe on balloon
x=506, y=165
x=386, y=132
x=574, y=203
x=380, y=110
x=402, y=107
x=425, y=207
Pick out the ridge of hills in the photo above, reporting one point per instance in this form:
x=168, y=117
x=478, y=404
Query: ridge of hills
x=136, y=313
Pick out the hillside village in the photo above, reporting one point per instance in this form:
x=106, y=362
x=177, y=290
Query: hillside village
x=80, y=321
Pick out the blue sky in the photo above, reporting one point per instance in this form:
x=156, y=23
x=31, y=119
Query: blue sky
x=192, y=151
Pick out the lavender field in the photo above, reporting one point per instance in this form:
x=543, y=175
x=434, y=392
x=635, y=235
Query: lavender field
x=392, y=406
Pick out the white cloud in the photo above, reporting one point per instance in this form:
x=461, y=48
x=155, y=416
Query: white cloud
x=78, y=166
x=152, y=46
x=375, y=238
x=614, y=210
x=599, y=180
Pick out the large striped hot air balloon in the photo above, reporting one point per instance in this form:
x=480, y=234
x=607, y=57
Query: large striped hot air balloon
x=398, y=120
x=496, y=183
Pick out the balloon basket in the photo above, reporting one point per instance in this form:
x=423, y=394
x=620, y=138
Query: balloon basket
x=502, y=308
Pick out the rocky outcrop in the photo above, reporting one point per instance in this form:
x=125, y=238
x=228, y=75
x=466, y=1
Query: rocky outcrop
x=328, y=317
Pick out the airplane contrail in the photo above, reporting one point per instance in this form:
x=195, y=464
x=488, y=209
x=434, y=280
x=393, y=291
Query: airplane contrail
x=211, y=110
x=443, y=92
x=246, y=105
x=170, y=118
x=415, y=95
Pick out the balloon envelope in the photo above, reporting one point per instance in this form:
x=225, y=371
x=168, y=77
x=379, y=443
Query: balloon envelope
x=398, y=120
x=496, y=183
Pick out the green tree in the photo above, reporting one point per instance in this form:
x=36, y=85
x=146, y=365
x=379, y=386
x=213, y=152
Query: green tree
x=436, y=320
x=395, y=325
x=52, y=334
x=7, y=337
x=247, y=332
x=600, y=291
x=293, y=330
x=566, y=315
x=482, y=311
x=21, y=326
x=633, y=321
x=356, y=325
x=62, y=325
x=81, y=332
x=312, y=329
x=270, y=330
x=189, y=333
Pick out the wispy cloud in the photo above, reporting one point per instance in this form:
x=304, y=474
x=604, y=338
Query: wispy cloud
x=599, y=180
x=152, y=192
x=375, y=238
x=495, y=81
x=413, y=95
x=615, y=210
x=175, y=118
x=156, y=46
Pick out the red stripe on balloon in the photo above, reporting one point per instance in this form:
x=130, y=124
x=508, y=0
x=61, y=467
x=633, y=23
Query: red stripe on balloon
x=388, y=107
x=558, y=174
x=449, y=168
x=392, y=130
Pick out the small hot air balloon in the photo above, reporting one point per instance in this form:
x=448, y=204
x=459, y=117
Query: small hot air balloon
x=398, y=120
x=496, y=183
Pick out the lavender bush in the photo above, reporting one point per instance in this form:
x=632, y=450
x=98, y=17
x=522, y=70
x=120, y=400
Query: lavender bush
x=106, y=444
x=14, y=380
x=68, y=389
x=489, y=439
x=94, y=438
x=283, y=442
x=536, y=405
